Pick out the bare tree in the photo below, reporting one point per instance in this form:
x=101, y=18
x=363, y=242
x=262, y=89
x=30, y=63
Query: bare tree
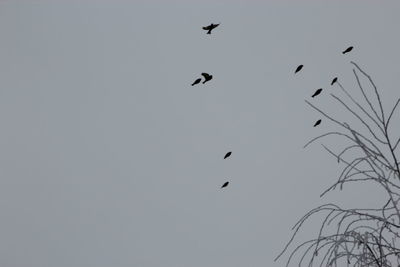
x=357, y=237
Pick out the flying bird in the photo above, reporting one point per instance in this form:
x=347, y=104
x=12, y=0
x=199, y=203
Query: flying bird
x=225, y=184
x=210, y=27
x=228, y=154
x=318, y=122
x=347, y=50
x=334, y=80
x=298, y=69
x=317, y=92
x=196, y=81
x=207, y=77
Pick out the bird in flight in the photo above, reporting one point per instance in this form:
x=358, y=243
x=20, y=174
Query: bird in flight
x=207, y=77
x=225, y=184
x=334, y=80
x=210, y=27
x=228, y=154
x=196, y=81
x=318, y=122
x=317, y=92
x=347, y=50
x=298, y=69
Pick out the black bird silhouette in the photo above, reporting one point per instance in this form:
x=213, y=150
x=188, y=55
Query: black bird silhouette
x=348, y=49
x=207, y=77
x=228, y=154
x=210, y=27
x=196, y=81
x=225, y=184
x=318, y=122
x=334, y=80
x=298, y=69
x=317, y=92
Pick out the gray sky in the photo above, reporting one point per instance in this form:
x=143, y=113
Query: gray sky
x=110, y=158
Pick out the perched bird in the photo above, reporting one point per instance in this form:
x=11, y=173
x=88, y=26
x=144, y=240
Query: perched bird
x=227, y=154
x=298, y=69
x=196, y=81
x=210, y=27
x=207, y=77
x=347, y=50
x=317, y=92
x=225, y=184
x=334, y=80
x=318, y=122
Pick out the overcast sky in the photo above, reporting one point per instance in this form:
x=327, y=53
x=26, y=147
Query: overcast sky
x=108, y=157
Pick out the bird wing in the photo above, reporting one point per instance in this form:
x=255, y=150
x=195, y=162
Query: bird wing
x=215, y=26
x=205, y=75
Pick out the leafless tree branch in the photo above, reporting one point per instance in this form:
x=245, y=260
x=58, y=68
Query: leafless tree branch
x=356, y=237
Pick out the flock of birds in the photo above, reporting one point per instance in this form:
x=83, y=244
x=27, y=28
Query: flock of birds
x=208, y=77
x=318, y=91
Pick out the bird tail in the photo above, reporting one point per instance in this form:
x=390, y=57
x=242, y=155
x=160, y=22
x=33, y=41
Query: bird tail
x=209, y=32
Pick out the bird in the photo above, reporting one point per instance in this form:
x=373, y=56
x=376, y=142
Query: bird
x=196, y=81
x=318, y=122
x=225, y=184
x=334, y=80
x=228, y=154
x=210, y=27
x=298, y=69
x=207, y=77
x=347, y=50
x=317, y=92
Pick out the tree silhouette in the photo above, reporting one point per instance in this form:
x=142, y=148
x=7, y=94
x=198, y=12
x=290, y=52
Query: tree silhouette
x=357, y=237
